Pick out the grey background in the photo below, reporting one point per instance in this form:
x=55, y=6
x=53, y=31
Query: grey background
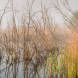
x=20, y=5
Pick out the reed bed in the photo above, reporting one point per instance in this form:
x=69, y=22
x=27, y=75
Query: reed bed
x=38, y=48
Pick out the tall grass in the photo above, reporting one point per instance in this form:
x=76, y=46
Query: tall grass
x=37, y=42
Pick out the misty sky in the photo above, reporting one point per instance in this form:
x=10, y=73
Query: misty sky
x=21, y=5
x=74, y=4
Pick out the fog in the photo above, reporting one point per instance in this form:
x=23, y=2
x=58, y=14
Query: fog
x=21, y=6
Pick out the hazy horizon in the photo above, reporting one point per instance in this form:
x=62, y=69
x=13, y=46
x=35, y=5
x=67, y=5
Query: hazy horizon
x=21, y=5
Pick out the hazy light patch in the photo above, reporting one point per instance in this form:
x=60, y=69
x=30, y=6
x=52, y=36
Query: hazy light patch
x=3, y=3
x=74, y=4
